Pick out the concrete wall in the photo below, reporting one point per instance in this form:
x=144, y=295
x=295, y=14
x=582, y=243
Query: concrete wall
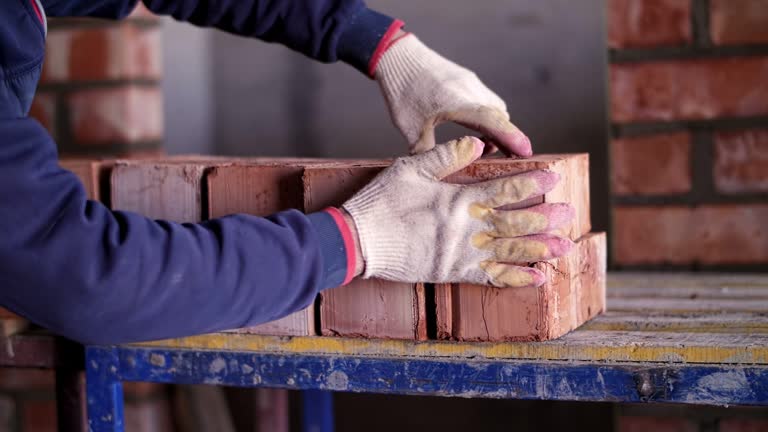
x=188, y=89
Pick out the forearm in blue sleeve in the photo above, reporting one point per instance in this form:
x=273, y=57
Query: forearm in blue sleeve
x=326, y=30
x=98, y=276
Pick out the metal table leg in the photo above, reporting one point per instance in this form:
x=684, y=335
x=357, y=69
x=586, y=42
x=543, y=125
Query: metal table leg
x=317, y=415
x=105, y=391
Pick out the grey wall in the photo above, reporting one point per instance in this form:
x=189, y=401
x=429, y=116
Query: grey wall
x=187, y=88
x=546, y=58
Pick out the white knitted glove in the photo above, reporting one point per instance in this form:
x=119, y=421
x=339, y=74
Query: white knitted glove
x=423, y=89
x=412, y=227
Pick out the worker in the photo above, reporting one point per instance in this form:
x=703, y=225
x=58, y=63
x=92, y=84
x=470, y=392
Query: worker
x=102, y=277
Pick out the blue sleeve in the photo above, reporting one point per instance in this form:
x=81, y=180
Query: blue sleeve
x=326, y=30
x=98, y=276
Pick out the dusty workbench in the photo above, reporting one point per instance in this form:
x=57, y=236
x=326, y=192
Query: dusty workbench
x=682, y=338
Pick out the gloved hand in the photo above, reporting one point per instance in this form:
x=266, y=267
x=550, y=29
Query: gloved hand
x=412, y=227
x=423, y=89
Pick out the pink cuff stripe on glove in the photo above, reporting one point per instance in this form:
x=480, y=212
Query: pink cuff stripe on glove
x=349, y=243
x=386, y=41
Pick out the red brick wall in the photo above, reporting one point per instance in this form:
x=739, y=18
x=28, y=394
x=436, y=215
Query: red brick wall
x=100, y=92
x=689, y=114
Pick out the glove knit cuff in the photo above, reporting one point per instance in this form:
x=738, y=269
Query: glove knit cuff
x=402, y=63
x=381, y=247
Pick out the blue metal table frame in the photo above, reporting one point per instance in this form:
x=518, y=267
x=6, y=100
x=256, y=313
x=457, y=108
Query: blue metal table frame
x=715, y=384
x=685, y=340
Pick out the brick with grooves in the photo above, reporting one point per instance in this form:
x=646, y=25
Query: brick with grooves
x=739, y=21
x=741, y=161
x=651, y=165
x=370, y=308
x=689, y=89
x=648, y=23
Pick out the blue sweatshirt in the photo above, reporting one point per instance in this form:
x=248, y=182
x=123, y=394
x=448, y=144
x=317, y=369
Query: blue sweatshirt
x=101, y=276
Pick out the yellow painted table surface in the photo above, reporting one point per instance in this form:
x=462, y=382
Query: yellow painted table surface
x=652, y=317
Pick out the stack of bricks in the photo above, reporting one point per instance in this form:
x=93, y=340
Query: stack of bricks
x=99, y=93
x=574, y=291
x=689, y=112
x=192, y=189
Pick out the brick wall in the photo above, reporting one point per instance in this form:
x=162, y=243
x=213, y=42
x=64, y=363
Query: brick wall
x=100, y=92
x=689, y=151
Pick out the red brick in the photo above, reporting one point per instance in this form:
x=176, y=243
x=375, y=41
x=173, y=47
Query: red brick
x=92, y=173
x=152, y=415
x=44, y=110
x=574, y=292
x=689, y=89
x=38, y=415
x=743, y=425
x=120, y=52
x=735, y=234
x=648, y=23
x=655, y=424
x=170, y=191
x=709, y=235
x=262, y=190
x=365, y=307
x=741, y=161
x=23, y=380
x=651, y=165
x=573, y=187
x=381, y=309
x=126, y=114
x=645, y=235
x=473, y=312
x=739, y=21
